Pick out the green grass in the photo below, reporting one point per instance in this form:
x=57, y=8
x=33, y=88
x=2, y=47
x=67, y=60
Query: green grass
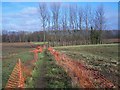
x=90, y=45
x=56, y=76
x=39, y=43
x=103, y=50
x=9, y=64
x=31, y=81
x=101, y=57
x=11, y=54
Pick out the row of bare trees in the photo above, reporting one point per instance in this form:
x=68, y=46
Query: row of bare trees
x=67, y=24
x=62, y=16
x=58, y=16
x=65, y=37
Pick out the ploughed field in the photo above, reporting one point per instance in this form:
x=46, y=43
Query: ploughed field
x=100, y=57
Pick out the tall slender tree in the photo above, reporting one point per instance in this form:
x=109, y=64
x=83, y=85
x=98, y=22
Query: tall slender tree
x=55, y=10
x=100, y=21
x=100, y=18
x=80, y=17
x=43, y=16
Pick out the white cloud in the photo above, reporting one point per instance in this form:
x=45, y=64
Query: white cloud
x=32, y=21
x=24, y=13
x=29, y=10
x=11, y=26
x=26, y=19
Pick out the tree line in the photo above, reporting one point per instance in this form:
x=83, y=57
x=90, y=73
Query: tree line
x=66, y=24
x=64, y=37
x=73, y=17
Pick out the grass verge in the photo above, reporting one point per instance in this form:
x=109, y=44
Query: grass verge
x=56, y=77
x=47, y=74
x=31, y=81
x=11, y=52
x=9, y=63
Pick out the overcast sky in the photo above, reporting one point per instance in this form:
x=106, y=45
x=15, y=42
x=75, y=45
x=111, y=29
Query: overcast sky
x=17, y=16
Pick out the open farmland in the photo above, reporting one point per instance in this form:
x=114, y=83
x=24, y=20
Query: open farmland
x=62, y=45
x=43, y=73
x=100, y=57
x=51, y=71
x=11, y=52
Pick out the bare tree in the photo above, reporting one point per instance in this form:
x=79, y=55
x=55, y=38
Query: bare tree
x=49, y=21
x=90, y=17
x=87, y=17
x=43, y=13
x=87, y=22
x=71, y=19
x=76, y=17
x=100, y=18
x=80, y=16
x=100, y=21
x=64, y=24
x=64, y=19
x=55, y=9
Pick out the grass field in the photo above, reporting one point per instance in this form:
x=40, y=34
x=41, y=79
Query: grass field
x=101, y=57
x=11, y=52
x=47, y=74
x=54, y=76
x=39, y=43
